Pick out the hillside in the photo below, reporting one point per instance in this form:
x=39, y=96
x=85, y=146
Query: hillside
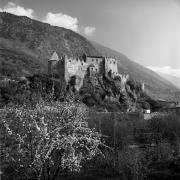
x=40, y=39
x=173, y=79
x=26, y=45
x=155, y=85
x=15, y=63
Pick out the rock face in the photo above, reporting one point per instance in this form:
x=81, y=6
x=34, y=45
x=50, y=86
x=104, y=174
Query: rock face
x=107, y=93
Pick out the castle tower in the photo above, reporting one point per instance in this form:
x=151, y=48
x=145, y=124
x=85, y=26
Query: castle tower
x=110, y=66
x=52, y=62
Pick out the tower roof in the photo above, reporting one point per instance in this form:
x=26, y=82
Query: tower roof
x=54, y=57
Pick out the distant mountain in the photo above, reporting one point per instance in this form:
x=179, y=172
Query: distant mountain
x=173, y=79
x=26, y=45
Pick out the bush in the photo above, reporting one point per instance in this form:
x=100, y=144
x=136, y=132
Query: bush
x=40, y=142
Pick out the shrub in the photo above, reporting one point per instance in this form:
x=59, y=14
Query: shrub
x=41, y=142
x=167, y=126
x=133, y=164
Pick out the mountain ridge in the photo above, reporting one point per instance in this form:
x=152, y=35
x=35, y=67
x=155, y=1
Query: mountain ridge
x=149, y=77
x=173, y=79
x=38, y=41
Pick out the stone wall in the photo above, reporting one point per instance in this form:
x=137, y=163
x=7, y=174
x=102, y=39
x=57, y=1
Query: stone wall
x=96, y=61
x=51, y=66
x=75, y=67
x=111, y=65
x=68, y=67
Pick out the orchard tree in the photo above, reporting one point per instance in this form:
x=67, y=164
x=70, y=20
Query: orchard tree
x=41, y=142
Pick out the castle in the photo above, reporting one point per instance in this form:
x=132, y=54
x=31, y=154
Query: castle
x=68, y=67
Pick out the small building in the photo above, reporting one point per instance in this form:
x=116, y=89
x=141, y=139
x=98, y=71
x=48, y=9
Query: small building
x=147, y=111
x=167, y=104
x=171, y=110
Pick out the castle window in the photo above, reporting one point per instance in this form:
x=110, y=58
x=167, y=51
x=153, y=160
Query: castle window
x=96, y=70
x=110, y=62
x=69, y=60
x=92, y=69
x=96, y=60
x=114, y=62
x=82, y=64
x=76, y=59
x=92, y=60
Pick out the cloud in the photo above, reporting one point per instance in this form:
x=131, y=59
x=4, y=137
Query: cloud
x=62, y=20
x=17, y=10
x=55, y=19
x=89, y=30
x=166, y=70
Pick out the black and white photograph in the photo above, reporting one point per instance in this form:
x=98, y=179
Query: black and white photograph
x=89, y=89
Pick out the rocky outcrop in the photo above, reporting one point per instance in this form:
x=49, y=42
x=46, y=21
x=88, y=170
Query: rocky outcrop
x=100, y=91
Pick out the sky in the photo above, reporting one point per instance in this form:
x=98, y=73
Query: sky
x=147, y=31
